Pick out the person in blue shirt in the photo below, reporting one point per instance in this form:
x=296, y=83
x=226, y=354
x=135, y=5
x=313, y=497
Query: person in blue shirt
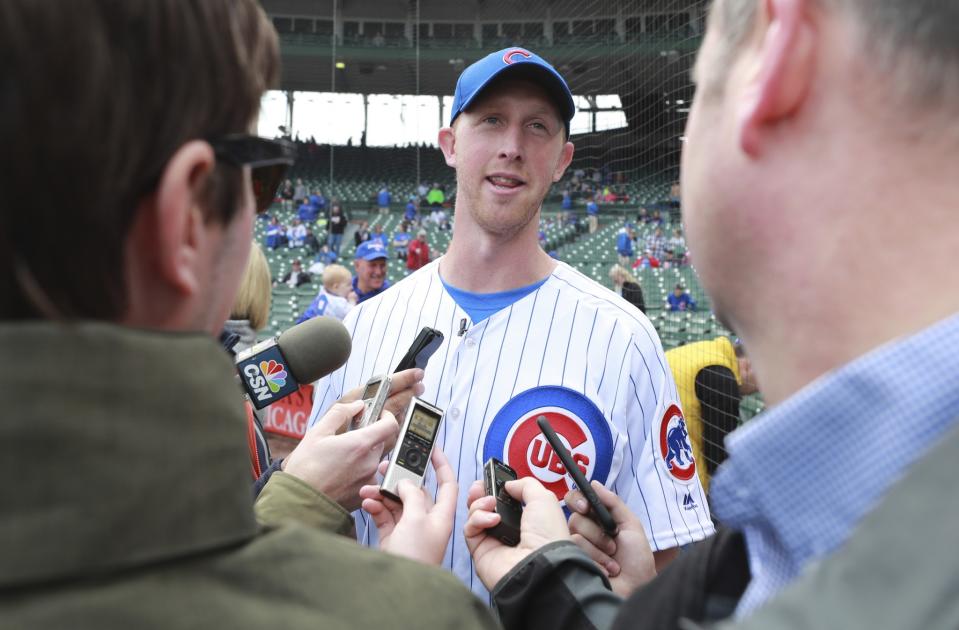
x=307, y=212
x=318, y=201
x=383, y=199
x=624, y=246
x=275, y=234
x=401, y=241
x=592, y=215
x=567, y=203
x=411, y=210
x=378, y=235
x=680, y=299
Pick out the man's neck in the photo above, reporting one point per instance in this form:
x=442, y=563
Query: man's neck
x=480, y=262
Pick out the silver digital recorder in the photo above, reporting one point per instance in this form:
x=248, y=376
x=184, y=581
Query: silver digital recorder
x=413, y=447
x=374, y=398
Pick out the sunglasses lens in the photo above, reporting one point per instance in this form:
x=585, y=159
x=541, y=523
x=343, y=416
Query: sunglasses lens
x=266, y=182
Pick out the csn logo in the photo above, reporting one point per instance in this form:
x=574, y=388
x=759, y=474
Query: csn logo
x=265, y=378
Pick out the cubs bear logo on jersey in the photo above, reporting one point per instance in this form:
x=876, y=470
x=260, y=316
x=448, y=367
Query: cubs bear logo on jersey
x=515, y=438
x=675, y=450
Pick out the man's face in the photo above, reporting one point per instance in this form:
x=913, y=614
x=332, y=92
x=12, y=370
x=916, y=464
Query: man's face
x=370, y=274
x=508, y=148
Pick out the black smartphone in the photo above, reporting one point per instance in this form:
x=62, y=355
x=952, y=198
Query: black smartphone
x=598, y=511
x=422, y=348
x=496, y=474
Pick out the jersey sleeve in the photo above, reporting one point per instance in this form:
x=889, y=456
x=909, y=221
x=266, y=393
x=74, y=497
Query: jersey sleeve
x=665, y=495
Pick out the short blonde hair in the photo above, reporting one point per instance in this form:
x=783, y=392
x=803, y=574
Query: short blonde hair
x=335, y=274
x=619, y=270
x=252, y=301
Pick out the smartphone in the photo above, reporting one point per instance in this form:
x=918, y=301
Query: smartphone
x=598, y=511
x=375, y=393
x=413, y=447
x=495, y=476
x=422, y=348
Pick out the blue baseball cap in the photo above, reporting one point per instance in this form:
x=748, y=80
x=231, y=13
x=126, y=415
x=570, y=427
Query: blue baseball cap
x=517, y=62
x=371, y=250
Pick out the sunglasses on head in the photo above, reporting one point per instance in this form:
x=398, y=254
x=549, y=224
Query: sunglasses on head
x=269, y=161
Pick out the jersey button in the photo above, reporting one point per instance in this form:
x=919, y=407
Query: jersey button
x=455, y=413
x=470, y=342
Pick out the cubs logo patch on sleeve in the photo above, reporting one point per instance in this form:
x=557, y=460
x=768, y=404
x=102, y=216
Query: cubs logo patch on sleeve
x=515, y=438
x=675, y=450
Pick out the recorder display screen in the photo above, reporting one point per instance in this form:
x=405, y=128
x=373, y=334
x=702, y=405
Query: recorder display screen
x=371, y=389
x=423, y=423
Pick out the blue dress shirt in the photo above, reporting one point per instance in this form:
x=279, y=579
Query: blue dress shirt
x=801, y=477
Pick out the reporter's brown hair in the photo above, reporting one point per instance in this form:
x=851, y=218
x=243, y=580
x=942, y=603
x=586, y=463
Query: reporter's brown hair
x=95, y=97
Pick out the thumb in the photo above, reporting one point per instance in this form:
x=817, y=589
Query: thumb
x=337, y=417
x=617, y=509
x=383, y=431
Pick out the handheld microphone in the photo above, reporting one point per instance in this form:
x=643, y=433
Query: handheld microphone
x=275, y=368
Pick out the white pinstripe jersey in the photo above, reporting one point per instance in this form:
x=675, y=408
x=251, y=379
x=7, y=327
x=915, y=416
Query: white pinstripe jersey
x=572, y=350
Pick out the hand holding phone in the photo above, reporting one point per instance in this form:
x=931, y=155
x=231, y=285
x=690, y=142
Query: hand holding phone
x=414, y=446
x=599, y=511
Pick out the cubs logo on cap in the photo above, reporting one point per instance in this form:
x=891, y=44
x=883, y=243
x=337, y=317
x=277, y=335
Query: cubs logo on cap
x=512, y=61
x=515, y=438
x=675, y=451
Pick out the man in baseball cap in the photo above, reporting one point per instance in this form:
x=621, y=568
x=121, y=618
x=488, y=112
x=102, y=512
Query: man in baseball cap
x=523, y=331
x=370, y=265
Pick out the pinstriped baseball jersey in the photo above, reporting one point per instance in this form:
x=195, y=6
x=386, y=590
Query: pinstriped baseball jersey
x=572, y=351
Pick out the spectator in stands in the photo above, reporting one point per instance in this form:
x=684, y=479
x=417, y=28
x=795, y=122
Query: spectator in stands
x=608, y=195
x=435, y=197
x=299, y=192
x=711, y=377
x=296, y=277
x=422, y=191
x=383, y=199
x=370, y=266
x=297, y=234
x=625, y=284
x=410, y=214
x=336, y=226
x=680, y=299
x=657, y=218
x=676, y=247
x=419, y=254
x=318, y=201
x=656, y=244
x=275, y=234
x=362, y=233
x=567, y=202
x=332, y=300
x=401, y=241
x=310, y=242
x=646, y=260
x=378, y=235
x=323, y=258
x=592, y=214
x=307, y=212
x=624, y=244
x=286, y=194
x=642, y=217
x=442, y=221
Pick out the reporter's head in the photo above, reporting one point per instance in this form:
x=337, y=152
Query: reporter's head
x=108, y=108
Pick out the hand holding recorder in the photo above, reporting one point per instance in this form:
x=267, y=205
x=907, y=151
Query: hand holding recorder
x=543, y=522
x=417, y=527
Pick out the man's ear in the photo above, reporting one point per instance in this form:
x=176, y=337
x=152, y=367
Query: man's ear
x=447, y=141
x=785, y=63
x=179, y=216
x=564, y=161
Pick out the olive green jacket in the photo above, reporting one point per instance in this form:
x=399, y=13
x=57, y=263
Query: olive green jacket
x=127, y=503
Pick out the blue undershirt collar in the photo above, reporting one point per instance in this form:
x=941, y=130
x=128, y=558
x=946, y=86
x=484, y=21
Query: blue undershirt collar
x=479, y=306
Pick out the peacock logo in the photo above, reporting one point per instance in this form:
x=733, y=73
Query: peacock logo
x=274, y=373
